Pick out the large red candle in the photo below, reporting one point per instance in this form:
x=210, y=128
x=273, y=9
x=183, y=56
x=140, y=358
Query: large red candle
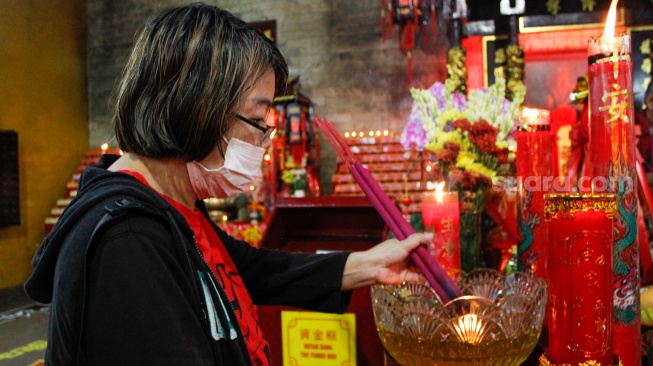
x=611, y=164
x=441, y=216
x=534, y=177
x=580, y=277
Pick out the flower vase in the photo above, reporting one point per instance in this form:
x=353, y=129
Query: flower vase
x=471, y=228
x=470, y=239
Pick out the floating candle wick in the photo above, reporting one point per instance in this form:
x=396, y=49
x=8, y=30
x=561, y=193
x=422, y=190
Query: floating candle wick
x=470, y=329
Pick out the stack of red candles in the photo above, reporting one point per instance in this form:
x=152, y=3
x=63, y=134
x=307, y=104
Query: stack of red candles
x=443, y=285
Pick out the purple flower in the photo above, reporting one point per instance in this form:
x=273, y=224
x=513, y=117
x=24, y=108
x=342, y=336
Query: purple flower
x=459, y=101
x=505, y=108
x=414, y=136
x=438, y=91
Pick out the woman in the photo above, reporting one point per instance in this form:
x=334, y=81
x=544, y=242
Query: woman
x=135, y=271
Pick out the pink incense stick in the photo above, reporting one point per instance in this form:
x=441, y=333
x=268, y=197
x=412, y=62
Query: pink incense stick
x=432, y=270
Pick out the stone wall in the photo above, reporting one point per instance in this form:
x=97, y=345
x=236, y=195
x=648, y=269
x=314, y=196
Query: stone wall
x=334, y=46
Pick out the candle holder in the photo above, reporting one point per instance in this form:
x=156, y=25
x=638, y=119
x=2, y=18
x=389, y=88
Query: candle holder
x=612, y=169
x=496, y=322
x=580, y=278
x=441, y=216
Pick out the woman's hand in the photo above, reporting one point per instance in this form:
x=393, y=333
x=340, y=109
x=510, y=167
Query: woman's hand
x=385, y=263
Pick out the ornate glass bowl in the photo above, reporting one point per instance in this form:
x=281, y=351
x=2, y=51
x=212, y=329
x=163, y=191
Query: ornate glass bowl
x=497, y=322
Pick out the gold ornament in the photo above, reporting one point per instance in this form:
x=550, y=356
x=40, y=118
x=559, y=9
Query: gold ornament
x=553, y=6
x=564, y=206
x=514, y=70
x=456, y=69
x=588, y=5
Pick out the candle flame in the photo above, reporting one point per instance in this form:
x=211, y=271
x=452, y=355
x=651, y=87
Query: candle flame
x=470, y=329
x=610, y=23
x=530, y=112
x=438, y=192
x=104, y=146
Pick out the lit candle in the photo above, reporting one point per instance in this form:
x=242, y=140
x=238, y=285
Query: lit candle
x=104, y=147
x=580, y=278
x=470, y=329
x=612, y=169
x=534, y=176
x=224, y=219
x=440, y=216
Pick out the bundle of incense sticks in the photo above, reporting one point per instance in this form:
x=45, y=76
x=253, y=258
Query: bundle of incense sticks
x=430, y=267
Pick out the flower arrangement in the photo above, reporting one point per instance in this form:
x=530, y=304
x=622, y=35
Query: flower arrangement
x=468, y=137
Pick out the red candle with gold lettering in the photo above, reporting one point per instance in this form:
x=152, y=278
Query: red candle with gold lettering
x=441, y=216
x=611, y=164
x=580, y=278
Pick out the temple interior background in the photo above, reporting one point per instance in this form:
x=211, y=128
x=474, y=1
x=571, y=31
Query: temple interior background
x=60, y=60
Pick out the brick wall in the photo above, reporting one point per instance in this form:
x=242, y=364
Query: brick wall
x=354, y=79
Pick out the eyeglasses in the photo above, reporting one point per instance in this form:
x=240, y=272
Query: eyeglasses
x=267, y=130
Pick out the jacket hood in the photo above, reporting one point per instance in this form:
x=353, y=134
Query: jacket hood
x=97, y=188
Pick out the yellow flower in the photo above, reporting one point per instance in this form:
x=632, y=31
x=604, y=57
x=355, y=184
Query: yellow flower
x=451, y=115
x=467, y=161
x=287, y=176
x=252, y=235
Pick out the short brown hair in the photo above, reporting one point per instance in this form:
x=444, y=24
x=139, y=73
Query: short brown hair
x=188, y=71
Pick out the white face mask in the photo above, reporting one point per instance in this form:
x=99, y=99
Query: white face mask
x=242, y=162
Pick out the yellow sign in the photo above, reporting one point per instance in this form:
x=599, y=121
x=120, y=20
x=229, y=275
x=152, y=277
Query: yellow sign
x=318, y=339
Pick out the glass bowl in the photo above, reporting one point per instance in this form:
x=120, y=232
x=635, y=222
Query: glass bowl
x=497, y=322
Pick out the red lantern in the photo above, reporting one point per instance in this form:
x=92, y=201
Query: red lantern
x=410, y=15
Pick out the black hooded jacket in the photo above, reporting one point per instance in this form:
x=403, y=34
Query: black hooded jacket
x=128, y=285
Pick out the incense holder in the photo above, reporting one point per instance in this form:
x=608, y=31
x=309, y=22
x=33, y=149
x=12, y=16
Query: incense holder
x=497, y=322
